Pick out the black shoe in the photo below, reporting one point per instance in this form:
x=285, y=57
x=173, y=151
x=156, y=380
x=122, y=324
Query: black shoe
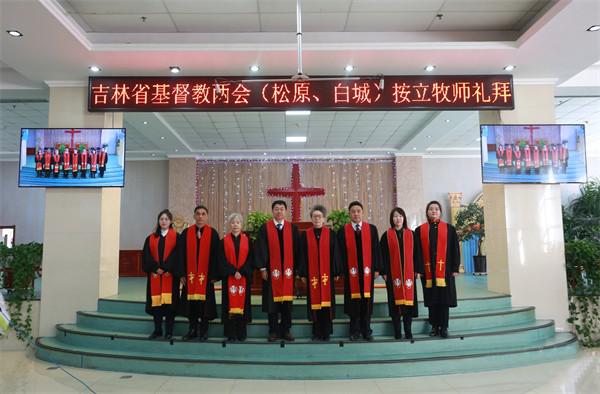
x=408, y=335
x=434, y=332
x=288, y=337
x=273, y=337
x=231, y=339
x=190, y=335
x=398, y=335
x=155, y=335
x=368, y=337
x=444, y=333
x=354, y=337
x=326, y=338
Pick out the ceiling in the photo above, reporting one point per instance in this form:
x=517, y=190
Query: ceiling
x=546, y=39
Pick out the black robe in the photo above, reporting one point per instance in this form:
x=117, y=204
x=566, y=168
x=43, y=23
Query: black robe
x=226, y=269
x=439, y=295
x=149, y=265
x=335, y=268
x=394, y=310
x=261, y=260
x=352, y=306
x=208, y=308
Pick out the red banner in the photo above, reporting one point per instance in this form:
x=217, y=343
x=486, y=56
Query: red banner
x=390, y=93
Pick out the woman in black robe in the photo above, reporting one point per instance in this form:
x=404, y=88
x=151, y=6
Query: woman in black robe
x=234, y=324
x=323, y=316
x=408, y=310
x=437, y=298
x=161, y=305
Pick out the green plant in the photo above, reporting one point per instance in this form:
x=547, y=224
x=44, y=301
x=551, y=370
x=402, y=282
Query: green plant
x=23, y=262
x=338, y=218
x=61, y=148
x=581, y=225
x=522, y=144
x=470, y=222
x=254, y=222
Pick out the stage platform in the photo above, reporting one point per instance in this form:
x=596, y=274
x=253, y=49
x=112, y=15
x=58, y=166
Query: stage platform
x=486, y=332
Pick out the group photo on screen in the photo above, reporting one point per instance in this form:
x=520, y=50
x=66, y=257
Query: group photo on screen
x=72, y=158
x=533, y=153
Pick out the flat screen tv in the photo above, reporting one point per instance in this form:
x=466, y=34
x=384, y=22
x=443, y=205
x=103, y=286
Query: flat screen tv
x=541, y=153
x=82, y=157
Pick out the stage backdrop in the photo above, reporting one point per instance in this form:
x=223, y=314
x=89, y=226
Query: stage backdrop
x=242, y=186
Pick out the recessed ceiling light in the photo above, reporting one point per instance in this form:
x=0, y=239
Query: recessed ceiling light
x=414, y=148
x=297, y=113
x=429, y=68
x=447, y=120
x=254, y=68
x=510, y=67
x=14, y=33
x=594, y=28
x=176, y=150
x=175, y=69
x=295, y=139
x=145, y=122
x=94, y=69
x=162, y=138
x=428, y=136
x=349, y=67
x=264, y=153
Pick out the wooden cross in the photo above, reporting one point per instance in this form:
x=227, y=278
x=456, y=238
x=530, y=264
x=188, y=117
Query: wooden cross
x=531, y=128
x=72, y=132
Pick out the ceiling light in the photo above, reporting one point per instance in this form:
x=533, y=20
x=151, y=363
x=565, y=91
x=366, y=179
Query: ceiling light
x=254, y=68
x=428, y=136
x=591, y=28
x=145, y=122
x=14, y=33
x=349, y=68
x=175, y=69
x=296, y=113
x=295, y=139
x=264, y=153
x=94, y=69
x=176, y=150
x=154, y=154
x=414, y=148
x=447, y=120
x=429, y=68
x=162, y=138
x=510, y=67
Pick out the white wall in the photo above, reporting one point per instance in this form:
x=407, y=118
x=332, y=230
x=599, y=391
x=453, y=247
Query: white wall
x=144, y=195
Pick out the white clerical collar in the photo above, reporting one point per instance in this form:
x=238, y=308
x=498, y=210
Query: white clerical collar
x=164, y=232
x=276, y=222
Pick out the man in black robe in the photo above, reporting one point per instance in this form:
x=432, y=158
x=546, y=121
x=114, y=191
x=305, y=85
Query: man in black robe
x=438, y=298
x=322, y=318
x=275, y=310
x=359, y=309
x=199, y=311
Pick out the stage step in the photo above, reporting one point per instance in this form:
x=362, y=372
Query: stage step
x=301, y=328
x=352, y=363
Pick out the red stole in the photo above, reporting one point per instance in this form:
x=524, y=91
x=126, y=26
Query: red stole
x=509, y=157
x=365, y=236
x=47, y=157
x=66, y=160
x=56, y=157
x=38, y=161
x=161, y=285
x=75, y=161
x=93, y=159
x=402, y=282
x=440, y=266
x=499, y=156
x=527, y=157
x=84, y=158
x=102, y=159
x=236, y=287
x=197, y=270
x=536, y=158
x=518, y=159
x=319, y=268
x=282, y=276
x=554, y=157
x=545, y=155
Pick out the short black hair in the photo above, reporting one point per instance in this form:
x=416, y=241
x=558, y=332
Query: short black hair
x=278, y=202
x=201, y=207
x=163, y=212
x=430, y=203
x=354, y=203
x=402, y=213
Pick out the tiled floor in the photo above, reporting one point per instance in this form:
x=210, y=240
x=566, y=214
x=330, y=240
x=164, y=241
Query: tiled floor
x=20, y=372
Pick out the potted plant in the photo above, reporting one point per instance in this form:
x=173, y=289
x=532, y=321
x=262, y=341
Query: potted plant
x=21, y=263
x=338, y=218
x=254, y=222
x=470, y=223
